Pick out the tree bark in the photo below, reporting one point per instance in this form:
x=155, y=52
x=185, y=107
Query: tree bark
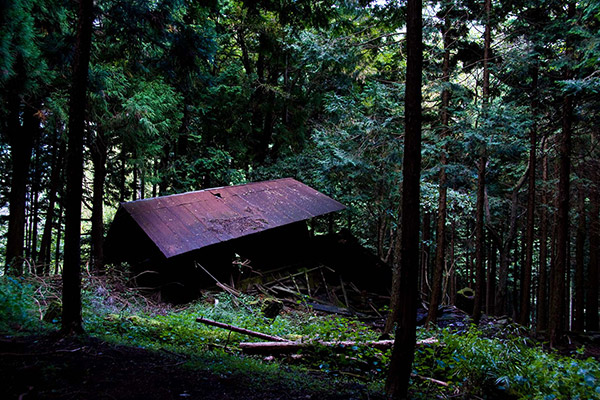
x=491, y=279
x=530, y=227
x=55, y=174
x=71, y=312
x=34, y=205
x=591, y=303
x=504, y=246
x=440, y=254
x=557, y=292
x=21, y=141
x=479, y=241
x=425, y=254
x=578, y=316
x=403, y=353
x=99, y=153
x=542, y=294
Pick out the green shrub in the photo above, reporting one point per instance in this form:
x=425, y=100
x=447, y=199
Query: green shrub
x=18, y=308
x=510, y=367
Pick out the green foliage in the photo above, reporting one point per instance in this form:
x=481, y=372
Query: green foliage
x=18, y=308
x=510, y=367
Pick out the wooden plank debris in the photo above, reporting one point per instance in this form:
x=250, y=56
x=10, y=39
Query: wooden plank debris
x=290, y=347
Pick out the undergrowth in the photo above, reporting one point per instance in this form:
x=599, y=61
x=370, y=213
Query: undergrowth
x=470, y=364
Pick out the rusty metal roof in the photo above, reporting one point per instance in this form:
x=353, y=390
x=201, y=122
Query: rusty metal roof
x=185, y=222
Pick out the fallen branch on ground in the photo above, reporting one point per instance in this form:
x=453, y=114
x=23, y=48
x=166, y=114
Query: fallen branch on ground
x=248, y=332
x=289, y=346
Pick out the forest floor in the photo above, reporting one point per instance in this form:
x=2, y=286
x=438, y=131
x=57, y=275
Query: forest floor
x=48, y=367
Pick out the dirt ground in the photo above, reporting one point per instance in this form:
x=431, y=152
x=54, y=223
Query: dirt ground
x=87, y=368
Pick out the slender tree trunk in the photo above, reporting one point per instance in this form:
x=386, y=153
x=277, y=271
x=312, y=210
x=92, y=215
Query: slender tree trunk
x=504, y=245
x=55, y=174
x=501, y=289
x=99, y=153
x=394, y=314
x=491, y=279
x=425, y=253
x=35, y=205
x=557, y=292
x=134, y=183
x=21, y=141
x=568, y=300
x=591, y=304
x=59, y=232
x=440, y=255
x=578, y=316
x=440, y=252
x=481, y=194
x=403, y=353
x=452, y=272
x=542, y=295
x=123, y=175
x=163, y=167
x=479, y=240
x=71, y=313
x=524, y=315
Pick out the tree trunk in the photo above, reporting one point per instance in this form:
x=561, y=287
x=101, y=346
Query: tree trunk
x=524, y=315
x=403, y=353
x=578, y=316
x=21, y=142
x=122, y=175
x=425, y=254
x=591, y=304
x=55, y=175
x=440, y=254
x=71, y=312
x=479, y=240
x=504, y=245
x=557, y=290
x=395, y=296
x=542, y=294
x=35, y=205
x=99, y=153
x=501, y=288
x=491, y=279
x=59, y=232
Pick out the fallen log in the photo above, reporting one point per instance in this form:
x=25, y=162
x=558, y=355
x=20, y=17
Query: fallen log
x=290, y=347
x=248, y=332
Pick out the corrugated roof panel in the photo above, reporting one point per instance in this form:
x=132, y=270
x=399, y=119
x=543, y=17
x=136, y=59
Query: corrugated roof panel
x=189, y=221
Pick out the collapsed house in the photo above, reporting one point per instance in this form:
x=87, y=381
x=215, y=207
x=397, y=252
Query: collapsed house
x=187, y=241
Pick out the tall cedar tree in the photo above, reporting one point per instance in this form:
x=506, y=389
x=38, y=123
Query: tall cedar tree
x=592, y=314
x=479, y=216
x=578, y=316
x=99, y=153
x=557, y=292
x=71, y=314
x=542, y=292
x=404, y=344
x=440, y=254
x=527, y=267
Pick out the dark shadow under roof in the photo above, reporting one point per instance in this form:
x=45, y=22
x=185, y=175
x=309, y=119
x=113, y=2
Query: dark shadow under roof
x=185, y=222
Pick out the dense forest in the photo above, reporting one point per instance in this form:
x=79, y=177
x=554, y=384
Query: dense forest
x=180, y=95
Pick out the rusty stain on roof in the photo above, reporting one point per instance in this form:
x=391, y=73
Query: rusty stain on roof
x=185, y=222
